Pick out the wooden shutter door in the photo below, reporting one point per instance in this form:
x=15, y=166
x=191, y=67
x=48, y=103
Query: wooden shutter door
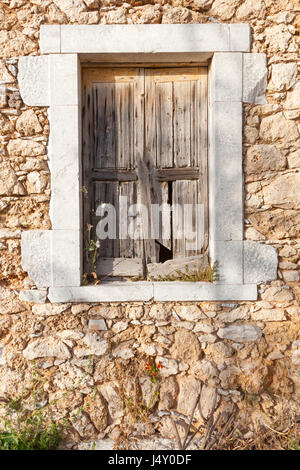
x=176, y=143
x=113, y=130
x=144, y=137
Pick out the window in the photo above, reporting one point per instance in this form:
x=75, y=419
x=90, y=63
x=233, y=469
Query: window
x=145, y=155
x=53, y=258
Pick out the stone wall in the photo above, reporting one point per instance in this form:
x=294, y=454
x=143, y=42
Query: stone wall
x=242, y=348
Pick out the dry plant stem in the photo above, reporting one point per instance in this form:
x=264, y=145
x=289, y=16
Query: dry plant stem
x=191, y=420
x=177, y=436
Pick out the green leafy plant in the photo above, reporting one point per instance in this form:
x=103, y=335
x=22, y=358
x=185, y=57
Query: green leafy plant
x=26, y=423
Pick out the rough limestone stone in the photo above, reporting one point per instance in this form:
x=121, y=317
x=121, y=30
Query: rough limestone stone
x=276, y=127
x=36, y=182
x=277, y=294
x=202, y=4
x=186, y=347
x=8, y=179
x=72, y=8
x=97, y=345
x=277, y=224
x=33, y=78
x=110, y=393
x=123, y=350
x=224, y=9
x=70, y=335
x=28, y=124
x=83, y=425
x=159, y=312
x=278, y=38
x=189, y=312
x=49, y=310
x=251, y=9
x=35, y=248
x=209, y=338
x=255, y=75
x=283, y=76
x=6, y=126
x=110, y=313
x=291, y=276
x=188, y=387
x=5, y=76
x=46, y=347
x=241, y=333
x=97, y=411
x=151, y=14
x=283, y=191
x=239, y=313
x=120, y=326
x=168, y=393
x=34, y=296
x=173, y=15
x=264, y=157
x=260, y=262
x=117, y=16
x=207, y=400
x=25, y=148
x=272, y=314
x=293, y=98
x=204, y=370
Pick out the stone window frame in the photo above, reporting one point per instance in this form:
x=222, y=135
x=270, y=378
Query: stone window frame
x=53, y=258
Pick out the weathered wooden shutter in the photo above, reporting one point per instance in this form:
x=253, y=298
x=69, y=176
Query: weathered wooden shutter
x=144, y=137
x=176, y=140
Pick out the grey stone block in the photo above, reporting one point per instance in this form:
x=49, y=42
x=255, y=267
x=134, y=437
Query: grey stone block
x=50, y=39
x=226, y=77
x=106, y=292
x=225, y=171
x=35, y=248
x=64, y=79
x=229, y=256
x=33, y=78
x=64, y=153
x=202, y=291
x=66, y=258
x=240, y=37
x=260, y=262
x=255, y=78
x=152, y=38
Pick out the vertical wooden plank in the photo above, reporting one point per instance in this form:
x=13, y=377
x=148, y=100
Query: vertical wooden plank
x=129, y=247
x=195, y=123
x=88, y=136
x=150, y=120
x=108, y=192
x=139, y=116
x=164, y=124
x=184, y=222
x=203, y=148
x=182, y=123
x=104, y=112
x=124, y=93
